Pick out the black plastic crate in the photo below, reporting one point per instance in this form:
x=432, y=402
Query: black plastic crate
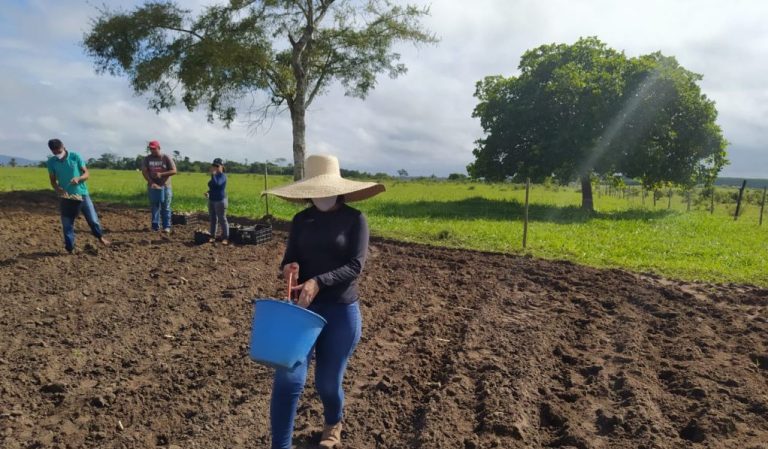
x=179, y=219
x=250, y=235
x=202, y=237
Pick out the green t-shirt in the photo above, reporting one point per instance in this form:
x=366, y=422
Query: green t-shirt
x=66, y=169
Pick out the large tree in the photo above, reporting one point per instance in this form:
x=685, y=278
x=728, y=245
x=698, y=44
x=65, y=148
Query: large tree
x=584, y=109
x=291, y=50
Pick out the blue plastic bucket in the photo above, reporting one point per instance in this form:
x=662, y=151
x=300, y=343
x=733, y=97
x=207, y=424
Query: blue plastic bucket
x=282, y=334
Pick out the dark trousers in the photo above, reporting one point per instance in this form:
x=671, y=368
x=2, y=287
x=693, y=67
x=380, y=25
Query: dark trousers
x=217, y=214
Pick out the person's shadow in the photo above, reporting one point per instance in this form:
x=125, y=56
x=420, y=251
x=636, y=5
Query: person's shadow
x=29, y=256
x=307, y=441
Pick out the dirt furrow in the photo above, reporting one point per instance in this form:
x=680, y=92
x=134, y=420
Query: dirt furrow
x=144, y=344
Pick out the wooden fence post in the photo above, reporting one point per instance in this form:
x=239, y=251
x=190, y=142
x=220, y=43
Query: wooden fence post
x=738, y=201
x=762, y=206
x=669, y=196
x=688, y=199
x=712, y=201
x=266, y=197
x=525, y=216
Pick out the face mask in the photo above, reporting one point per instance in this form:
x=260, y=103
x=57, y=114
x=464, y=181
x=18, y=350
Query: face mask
x=324, y=204
x=61, y=155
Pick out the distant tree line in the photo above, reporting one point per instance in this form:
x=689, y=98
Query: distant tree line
x=282, y=167
x=736, y=182
x=279, y=166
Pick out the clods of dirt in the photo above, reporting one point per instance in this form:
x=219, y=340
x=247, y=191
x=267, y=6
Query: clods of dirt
x=144, y=344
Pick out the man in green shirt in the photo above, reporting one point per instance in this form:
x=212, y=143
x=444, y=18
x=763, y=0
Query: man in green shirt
x=68, y=173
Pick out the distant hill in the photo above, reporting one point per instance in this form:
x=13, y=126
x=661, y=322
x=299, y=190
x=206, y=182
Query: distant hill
x=752, y=183
x=19, y=160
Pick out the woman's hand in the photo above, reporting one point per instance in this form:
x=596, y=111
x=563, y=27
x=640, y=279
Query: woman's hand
x=206, y=194
x=307, y=292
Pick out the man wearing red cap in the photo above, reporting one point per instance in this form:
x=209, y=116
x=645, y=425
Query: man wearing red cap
x=157, y=169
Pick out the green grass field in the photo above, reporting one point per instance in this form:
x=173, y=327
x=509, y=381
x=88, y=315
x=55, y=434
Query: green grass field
x=624, y=233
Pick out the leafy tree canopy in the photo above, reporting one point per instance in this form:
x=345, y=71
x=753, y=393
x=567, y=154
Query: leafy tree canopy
x=584, y=109
x=292, y=50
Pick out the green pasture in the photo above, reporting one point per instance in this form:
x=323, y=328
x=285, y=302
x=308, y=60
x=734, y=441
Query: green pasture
x=625, y=232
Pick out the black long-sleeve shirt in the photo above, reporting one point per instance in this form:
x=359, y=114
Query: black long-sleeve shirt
x=330, y=247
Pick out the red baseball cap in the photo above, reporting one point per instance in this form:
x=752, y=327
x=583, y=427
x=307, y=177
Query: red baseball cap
x=154, y=144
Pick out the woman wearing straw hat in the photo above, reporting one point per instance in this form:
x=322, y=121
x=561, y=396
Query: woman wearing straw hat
x=326, y=251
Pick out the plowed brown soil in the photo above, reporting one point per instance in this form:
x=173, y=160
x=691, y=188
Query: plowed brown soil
x=144, y=344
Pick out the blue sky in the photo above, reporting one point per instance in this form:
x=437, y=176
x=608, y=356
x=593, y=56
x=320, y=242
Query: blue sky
x=420, y=122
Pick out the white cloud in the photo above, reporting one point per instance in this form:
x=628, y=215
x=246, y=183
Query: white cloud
x=421, y=121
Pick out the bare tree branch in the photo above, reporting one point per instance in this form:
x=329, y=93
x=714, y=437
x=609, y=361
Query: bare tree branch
x=324, y=70
x=182, y=30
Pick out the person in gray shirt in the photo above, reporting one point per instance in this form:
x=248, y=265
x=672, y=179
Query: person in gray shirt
x=157, y=169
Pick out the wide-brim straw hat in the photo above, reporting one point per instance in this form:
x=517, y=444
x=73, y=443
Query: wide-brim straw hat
x=322, y=178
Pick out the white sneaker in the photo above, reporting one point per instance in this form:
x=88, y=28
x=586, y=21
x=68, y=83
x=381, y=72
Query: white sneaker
x=167, y=230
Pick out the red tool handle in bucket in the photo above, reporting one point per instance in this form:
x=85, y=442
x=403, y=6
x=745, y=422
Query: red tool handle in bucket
x=292, y=275
x=290, y=284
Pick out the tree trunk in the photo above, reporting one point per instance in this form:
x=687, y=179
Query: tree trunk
x=299, y=140
x=298, y=105
x=586, y=194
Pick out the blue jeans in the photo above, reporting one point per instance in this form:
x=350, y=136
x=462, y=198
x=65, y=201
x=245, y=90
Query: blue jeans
x=332, y=351
x=69, y=211
x=160, y=202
